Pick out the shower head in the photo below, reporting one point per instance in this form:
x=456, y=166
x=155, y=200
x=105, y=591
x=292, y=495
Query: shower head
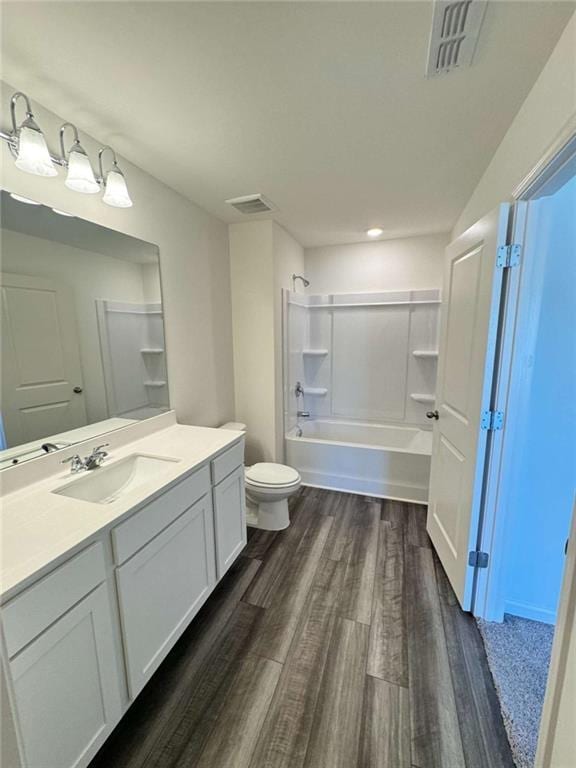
x=299, y=277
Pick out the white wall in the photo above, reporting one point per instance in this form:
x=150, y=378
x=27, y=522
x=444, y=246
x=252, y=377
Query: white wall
x=385, y=265
x=548, y=108
x=252, y=278
x=288, y=260
x=90, y=276
x=263, y=257
x=194, y=266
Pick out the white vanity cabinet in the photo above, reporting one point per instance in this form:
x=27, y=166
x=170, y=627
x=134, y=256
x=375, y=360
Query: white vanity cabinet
x=63, y=665
x=81, y=642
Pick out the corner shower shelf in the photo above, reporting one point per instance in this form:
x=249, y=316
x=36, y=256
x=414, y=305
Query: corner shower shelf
x=155, y=383
x=423, y=398
x=432, y=353
x=152, y=351
x=314, y=352
x=318, y=391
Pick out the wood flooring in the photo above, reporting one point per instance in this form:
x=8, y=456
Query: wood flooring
x=337, y=643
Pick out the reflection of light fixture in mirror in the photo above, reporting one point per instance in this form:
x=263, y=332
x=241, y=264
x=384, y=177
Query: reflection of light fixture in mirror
x=115, y=189
x=62, y=213
x=22, y=199
x=32, y=155
x=80, y=175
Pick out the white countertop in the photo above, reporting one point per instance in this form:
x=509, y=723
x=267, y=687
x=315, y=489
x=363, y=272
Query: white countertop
x=39, y=528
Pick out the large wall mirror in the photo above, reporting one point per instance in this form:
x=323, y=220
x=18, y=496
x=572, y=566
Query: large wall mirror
x=82, y=331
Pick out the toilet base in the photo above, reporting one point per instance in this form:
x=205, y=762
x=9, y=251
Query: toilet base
x=267, y=515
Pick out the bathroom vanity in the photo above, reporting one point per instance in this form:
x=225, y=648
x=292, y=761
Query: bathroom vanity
x=101, y=573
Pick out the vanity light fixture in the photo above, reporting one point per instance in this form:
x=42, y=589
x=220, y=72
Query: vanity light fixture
x=31, y=154
x=115, y=189
x=80, y=175
x=374, y=232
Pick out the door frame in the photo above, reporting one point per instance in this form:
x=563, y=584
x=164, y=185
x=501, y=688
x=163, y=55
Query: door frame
x=487, y=601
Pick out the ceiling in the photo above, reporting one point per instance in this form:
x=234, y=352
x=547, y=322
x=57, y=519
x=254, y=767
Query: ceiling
x=323, y=107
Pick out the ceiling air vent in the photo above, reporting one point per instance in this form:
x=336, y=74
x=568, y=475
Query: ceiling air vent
x=251, y=204
x=455, y=30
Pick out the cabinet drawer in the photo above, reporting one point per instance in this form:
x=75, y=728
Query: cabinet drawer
x=138, y=530
x=227, y=462
x=31, y=612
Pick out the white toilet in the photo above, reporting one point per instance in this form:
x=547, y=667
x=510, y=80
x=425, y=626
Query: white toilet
x=268, y=488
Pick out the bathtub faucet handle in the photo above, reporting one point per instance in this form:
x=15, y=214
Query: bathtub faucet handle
x=303, y=414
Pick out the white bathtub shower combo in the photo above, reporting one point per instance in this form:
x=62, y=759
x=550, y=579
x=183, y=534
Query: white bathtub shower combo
x=367, y=368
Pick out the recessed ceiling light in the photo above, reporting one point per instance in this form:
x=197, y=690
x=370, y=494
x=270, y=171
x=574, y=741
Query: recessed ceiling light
x=374, y=232
x=62, y=213
x=23, y=199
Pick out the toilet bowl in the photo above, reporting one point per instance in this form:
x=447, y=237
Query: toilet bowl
x=268, y=487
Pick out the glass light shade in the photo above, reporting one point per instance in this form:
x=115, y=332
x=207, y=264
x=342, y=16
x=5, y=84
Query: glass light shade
x=80, y=176
x=116, y=193
x=33, y=156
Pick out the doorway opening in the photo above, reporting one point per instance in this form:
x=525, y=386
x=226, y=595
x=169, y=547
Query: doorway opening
x=534, y=464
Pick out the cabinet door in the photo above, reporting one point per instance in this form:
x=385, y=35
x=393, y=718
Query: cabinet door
x=230, y=519
x=162, y=587
x=65, y=687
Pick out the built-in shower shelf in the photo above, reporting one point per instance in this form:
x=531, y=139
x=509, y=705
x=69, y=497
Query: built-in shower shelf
x=421, y=398
x=155, y=383
x=152, y=350
x=316, y=391
x=315, y=352
x=431, y=353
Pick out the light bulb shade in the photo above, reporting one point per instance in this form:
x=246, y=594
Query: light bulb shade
x=116, y=193
x=33, y=156
x=80, y=176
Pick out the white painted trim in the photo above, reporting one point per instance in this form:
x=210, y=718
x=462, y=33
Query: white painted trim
x=545, y=165
x=559, y=661
x=532, y=612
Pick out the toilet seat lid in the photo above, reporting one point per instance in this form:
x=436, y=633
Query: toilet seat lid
x=267, y=473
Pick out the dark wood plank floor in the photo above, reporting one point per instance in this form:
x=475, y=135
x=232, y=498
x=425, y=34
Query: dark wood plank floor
x=337, y=643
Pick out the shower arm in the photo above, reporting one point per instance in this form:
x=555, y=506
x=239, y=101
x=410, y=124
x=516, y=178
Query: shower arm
x=299, y=277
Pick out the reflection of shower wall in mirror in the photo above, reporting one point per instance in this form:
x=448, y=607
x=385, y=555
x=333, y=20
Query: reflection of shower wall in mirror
x=133, y=358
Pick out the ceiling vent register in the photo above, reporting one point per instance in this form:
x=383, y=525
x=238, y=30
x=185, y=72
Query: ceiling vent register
x=455, y=30
x=250, y=204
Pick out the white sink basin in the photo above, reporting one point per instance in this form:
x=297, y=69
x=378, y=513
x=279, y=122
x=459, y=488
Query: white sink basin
x=109, y=483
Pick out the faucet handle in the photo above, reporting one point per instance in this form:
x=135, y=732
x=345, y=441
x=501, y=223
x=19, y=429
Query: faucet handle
x=76, y=462
x=98, y=449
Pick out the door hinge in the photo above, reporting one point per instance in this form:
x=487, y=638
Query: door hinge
x=492, y=420
x=508, y=255
x=478, y=559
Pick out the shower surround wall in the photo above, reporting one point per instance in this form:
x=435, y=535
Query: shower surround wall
x=366, y=361
x=363, y=356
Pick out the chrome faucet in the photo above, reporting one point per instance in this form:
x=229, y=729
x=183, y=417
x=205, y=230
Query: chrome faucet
x=303, y=414
x=93, y=461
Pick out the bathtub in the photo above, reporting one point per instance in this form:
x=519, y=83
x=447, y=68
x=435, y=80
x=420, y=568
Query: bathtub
x=372, y=459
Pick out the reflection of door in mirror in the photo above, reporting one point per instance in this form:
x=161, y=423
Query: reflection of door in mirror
x=41, y=372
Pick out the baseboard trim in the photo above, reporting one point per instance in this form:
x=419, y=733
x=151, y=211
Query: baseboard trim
x=525, y=611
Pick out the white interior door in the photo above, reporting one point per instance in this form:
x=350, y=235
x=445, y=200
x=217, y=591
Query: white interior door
x=40, y=360
x=471, y=299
